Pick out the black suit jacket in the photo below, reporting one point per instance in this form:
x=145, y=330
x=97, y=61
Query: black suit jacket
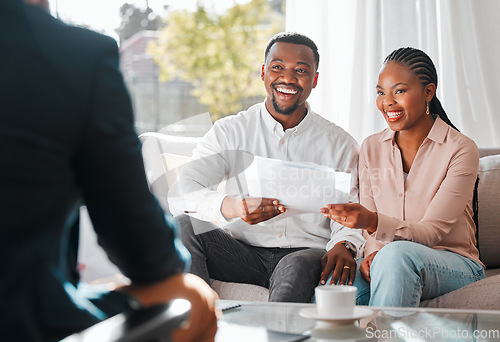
x=67, y=138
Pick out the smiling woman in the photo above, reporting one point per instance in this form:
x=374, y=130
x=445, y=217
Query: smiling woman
x=418, y=225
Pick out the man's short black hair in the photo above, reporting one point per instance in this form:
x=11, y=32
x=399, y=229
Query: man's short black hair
x=293, y=38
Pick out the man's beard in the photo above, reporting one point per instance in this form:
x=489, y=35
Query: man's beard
x=289, y=110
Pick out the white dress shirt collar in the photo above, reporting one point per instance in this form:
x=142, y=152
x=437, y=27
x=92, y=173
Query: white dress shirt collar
x=276, y=128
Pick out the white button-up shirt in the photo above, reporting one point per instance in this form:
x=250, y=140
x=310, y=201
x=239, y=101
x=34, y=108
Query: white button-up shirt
x=228, y=148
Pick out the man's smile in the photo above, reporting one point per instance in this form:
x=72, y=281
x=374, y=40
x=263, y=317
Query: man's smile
x=287, y=90
x=284, y=90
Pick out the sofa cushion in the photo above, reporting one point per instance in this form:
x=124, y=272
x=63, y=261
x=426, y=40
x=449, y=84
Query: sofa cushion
x=481, y=295
x=237, y=291
x=172, y=164
x=489, y=210
x=488, y=151
x=153, y=146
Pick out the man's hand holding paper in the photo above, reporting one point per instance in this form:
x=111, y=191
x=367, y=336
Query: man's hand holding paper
x=252, y=210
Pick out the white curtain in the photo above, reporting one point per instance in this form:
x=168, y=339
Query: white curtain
x=462, y=37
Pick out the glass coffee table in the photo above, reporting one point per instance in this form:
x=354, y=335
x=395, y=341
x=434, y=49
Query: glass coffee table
x=277, y=322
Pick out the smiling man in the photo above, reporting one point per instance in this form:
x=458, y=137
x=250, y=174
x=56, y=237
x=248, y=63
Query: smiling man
x=259, y=242
x=289, y=74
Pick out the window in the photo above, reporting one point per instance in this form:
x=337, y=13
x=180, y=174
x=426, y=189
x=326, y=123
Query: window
x=168, y=49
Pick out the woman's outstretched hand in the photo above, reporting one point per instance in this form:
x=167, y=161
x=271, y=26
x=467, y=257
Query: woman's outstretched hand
x=352, y=215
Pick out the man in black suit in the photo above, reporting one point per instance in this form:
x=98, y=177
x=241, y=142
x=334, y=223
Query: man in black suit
x=67, y=139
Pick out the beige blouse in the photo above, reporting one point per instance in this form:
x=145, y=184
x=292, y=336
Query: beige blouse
x=434, y=205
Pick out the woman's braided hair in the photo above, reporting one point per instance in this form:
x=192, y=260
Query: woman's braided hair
x=420, y=64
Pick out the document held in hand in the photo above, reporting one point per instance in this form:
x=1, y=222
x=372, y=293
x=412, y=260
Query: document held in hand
x=302, y=186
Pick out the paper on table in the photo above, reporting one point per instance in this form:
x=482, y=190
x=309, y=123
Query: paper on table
x=302, y=186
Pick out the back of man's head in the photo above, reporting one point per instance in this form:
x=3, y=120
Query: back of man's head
x=293, y=38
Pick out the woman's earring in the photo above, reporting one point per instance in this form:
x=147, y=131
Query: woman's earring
x=427, y=109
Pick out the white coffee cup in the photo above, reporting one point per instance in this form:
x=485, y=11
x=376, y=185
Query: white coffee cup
x=335, y=301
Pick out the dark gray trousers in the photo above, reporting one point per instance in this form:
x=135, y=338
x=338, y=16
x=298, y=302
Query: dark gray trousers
x=290, y=274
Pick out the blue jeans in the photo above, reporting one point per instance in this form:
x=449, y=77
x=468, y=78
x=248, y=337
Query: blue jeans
x=290, y=274
x=403, y=273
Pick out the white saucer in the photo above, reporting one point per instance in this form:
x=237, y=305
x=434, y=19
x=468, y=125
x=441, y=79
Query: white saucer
x=358, y=314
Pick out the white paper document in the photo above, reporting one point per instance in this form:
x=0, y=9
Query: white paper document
x=302, y=186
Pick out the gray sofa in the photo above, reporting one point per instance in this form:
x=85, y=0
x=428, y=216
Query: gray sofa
x=484, y=294
x=163, y=154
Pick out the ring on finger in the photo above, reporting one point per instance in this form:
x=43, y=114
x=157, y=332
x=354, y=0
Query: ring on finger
x=348, y=267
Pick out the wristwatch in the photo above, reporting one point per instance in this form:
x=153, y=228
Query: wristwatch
x=351, y=248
